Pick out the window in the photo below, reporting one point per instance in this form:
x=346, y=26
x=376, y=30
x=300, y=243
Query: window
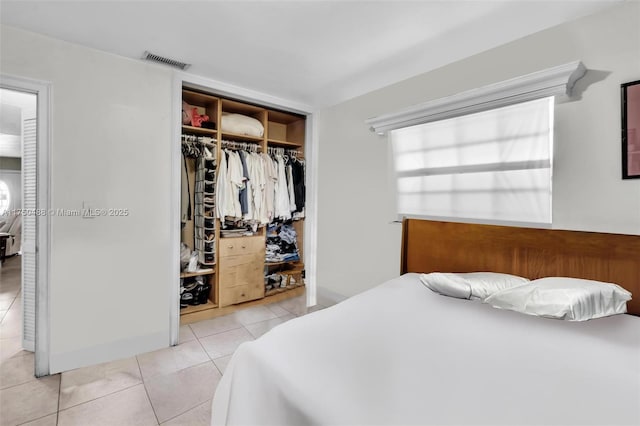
x=484, y=155
x=493, y=166
x=5, y=197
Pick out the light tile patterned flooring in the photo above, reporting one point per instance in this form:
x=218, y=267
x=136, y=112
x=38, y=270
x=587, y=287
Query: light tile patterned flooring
x=172, y=386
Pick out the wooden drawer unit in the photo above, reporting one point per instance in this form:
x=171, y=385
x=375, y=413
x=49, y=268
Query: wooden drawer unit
x=241, y=293
x=241, y=269
x=242, y=245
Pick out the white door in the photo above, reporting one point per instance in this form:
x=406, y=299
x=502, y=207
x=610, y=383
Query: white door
x=29, y=234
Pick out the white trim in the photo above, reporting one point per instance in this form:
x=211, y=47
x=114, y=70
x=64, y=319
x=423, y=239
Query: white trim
x=328, y=297
x=550, y=82
x=480, y=221
x=174, y=215
x=107, y=352
x=248, y=95
x=552, y=132
x=311, y=209
x=43, y=90
x=242, y=94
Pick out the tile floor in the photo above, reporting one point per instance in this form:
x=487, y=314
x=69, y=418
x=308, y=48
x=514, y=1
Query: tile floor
x=172, y=386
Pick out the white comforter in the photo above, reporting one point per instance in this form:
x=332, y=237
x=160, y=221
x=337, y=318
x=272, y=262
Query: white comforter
x=400, y=354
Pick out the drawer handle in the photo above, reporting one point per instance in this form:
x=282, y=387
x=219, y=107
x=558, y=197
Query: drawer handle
x=244, y=246
x=230, y=247
x=242, y=295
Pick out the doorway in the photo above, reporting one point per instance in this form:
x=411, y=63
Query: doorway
x=24, y=201
x=17, y=226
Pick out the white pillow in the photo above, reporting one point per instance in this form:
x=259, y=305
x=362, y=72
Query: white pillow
x=571, y=299
x=471, y=285
x=241, y=124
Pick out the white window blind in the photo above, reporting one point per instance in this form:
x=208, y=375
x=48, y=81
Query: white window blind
x=493, y=166
x=29, y=185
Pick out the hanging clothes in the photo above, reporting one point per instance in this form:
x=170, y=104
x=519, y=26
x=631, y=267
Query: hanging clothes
x=236, y=183
x=292, y=197
x=257, y=199
x=299, y=188
x=244, y=201
x=271, y=177
x=185, y=193
x=222, y=187
x=256, y=189
x=198, y=195
x=282, y=206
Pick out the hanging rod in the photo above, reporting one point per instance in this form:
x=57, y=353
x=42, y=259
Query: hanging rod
x=247, y=146
x=204, y=140
x=274, y=150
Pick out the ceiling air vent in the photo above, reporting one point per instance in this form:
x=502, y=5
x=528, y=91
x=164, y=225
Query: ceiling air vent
x=166, y=61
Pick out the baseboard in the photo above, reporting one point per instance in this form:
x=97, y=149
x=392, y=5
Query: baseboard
x=326, y=297
x=28, y=345
x=107, y=352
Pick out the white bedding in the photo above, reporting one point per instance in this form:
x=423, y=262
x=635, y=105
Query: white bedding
x=400, y=354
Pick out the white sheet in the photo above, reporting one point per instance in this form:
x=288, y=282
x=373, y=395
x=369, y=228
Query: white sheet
x=401, y=354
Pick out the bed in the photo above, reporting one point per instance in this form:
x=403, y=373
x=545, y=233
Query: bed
x=400, y=354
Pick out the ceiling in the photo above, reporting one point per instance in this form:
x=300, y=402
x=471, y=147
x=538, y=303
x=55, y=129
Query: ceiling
x=315, y=53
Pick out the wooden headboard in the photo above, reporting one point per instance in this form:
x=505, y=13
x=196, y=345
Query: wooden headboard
x=429, y=246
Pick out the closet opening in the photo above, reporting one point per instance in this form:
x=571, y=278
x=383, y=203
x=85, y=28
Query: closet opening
x=243, y=201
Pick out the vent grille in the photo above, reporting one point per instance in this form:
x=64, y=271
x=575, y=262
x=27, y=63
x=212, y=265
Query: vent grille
x=166, y=61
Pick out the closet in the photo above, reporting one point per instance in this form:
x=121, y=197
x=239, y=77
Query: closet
x=242, y=205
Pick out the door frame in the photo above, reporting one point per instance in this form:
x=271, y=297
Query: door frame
x=43, y=91
x=311, y=160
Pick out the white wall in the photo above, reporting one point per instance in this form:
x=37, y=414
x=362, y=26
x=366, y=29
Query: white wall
x=110, y=276
x=358, y=247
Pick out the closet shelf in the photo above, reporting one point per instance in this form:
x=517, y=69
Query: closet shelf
x=207, y=271
x=199, y=130
x=197, y=98
x=239, y=137
x=231, y=106
x=286, y=262
x=284, y=143
x=284, y=117
x=281, y=289
x=198, y=308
